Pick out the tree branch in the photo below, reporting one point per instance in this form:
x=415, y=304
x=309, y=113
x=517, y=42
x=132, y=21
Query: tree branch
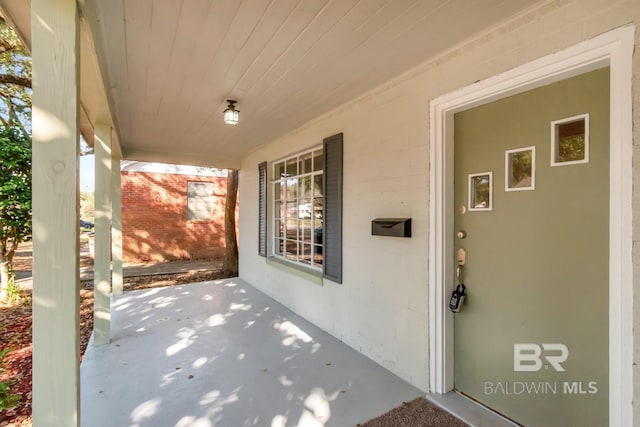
x=15, y=120
x=15, y=80
x=7, y=45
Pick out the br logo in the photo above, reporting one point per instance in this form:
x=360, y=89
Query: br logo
x=528, y=357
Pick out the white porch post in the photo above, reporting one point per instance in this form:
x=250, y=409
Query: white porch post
x=116, y=228
x=102, y=257
x=56, y=282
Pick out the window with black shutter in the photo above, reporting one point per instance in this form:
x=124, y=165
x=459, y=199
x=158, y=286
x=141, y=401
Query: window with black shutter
x=306, y=197
x=332, y=235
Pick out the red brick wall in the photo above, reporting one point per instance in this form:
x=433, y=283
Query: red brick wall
x=154, y=219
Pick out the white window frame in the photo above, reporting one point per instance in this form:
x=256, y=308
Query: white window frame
x=554, y=140
x=471, y=189
x=275, y=235
x=507, y=168
x=191, y=198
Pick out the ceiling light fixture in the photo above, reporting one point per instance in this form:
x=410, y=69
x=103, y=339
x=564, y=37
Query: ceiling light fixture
x=231, y=115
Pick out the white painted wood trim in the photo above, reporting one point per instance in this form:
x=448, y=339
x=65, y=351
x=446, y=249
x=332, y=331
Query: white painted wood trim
x=56, y=274
x=440, y=249
x=117, y=278
x=507, y=169
x=554, y=141
x=471, y=190
x=621, y=337
x=614, y=48
x=102, y=257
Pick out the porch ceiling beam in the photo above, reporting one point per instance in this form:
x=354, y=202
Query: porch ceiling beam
x=56, y=349
x=95, y=107
x=95, y=93
x=181, y=158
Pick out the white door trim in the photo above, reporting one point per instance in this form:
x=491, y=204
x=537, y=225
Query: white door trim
x=614, y=48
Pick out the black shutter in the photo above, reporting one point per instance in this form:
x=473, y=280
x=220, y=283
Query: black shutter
x=262, y=209
x=332, y=229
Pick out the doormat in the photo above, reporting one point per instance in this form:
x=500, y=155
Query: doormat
x=417, y=413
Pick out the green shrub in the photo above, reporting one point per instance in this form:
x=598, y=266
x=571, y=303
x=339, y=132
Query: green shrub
x=7, y=400
x=13, y=290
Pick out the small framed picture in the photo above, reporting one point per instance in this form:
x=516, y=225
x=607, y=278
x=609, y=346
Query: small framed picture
x=570, y=140
x=520, y=169
x=481, y=191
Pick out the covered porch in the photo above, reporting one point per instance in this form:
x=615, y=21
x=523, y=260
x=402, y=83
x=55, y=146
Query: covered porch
x=224, y=353
x=149, y=81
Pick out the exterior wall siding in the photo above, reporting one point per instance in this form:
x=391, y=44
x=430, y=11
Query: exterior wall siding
x=382, y=307
x=154, y=218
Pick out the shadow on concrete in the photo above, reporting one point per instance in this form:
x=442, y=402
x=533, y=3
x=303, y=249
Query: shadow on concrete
x=223, y=354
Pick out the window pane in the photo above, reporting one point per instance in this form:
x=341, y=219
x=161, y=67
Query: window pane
x=199, y=200
x=571, y=141
x=317, y=207
x=304, y=208
x=318, y=161
x=277, y=190
x=292, y=250
x=480, y=196
x=300, y=230
x=199, y=189
x=305, y=164
x=292, y=189
x=317, y=232
x=292, y=167
x=278, y=210
x=292, y=211
x=317, y=258
x=279, y=229
x=278, y=170
x=305, y=254
x=278, y=246
x=305, y=187
x=317, y=186
x=305, y=226
x=291, y=225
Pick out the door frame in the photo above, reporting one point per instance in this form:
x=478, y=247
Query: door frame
x=613, y=49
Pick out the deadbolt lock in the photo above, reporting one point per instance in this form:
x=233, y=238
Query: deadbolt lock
x=461, y=234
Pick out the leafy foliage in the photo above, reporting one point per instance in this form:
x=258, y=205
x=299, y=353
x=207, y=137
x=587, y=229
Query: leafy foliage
x=87, y=205
x=7, y=400
x=15, y=192
x=15, y=80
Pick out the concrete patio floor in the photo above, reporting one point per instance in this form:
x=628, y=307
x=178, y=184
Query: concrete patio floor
x=222, y=353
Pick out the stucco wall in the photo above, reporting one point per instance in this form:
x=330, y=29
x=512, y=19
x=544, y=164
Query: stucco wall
x=382, y=307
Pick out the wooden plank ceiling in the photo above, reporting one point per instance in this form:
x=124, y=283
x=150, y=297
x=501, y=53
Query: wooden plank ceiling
x=169, y=65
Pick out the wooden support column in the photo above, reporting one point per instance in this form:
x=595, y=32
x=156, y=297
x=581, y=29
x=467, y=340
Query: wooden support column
x=116, y=228
x=102, y=257
x=56, y=281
